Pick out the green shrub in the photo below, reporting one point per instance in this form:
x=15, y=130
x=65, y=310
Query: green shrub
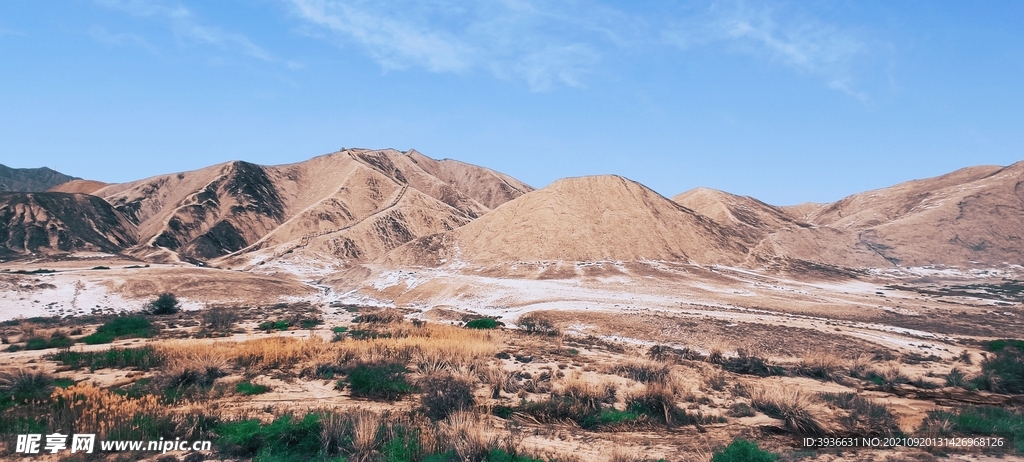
x=249, y=388
x=742, y=450
x=144, y=358
x=274, y=325
x=1003, y=372
x=979, y=420
x=57, y=340
x=126, y=327
x=482, y=323
x=286, y=438
x=379, y=381
x=164, y=304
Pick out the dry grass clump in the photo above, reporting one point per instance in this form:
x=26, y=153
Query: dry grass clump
x=499, y=380
x=864, y=416
x=436, y=347
x=822, y=365
x=589, y=393
x=84, y=408
x=644, y=371
x=794, y=407
x=382, y=316
x=470, y=436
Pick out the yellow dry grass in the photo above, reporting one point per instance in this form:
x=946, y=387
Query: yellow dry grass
x=86, y=408
x=455, y=348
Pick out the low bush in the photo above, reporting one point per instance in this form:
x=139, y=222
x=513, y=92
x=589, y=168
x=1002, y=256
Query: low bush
x=385, y=381
x=741, y=450
x=165, y=304
x=482, y=323
x=535, y=323
x=385, y=316
x=119, y=328
x=273, y=325
x=144, y=358
x=220, y=318
x=445, y=394
x=1003, y=371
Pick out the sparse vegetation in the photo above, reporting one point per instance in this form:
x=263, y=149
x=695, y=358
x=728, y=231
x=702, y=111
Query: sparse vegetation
x=144, y=358
x=445, y=394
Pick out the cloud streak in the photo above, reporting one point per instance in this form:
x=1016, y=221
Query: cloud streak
x=798, y=41
x=185, y=25
x=513, y=39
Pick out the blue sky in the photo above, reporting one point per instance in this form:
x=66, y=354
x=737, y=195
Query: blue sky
x=784, y=101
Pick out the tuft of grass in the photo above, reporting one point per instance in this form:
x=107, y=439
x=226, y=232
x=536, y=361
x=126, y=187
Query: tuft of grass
x=165, y=304
x=741, y=450
x=642, y=371
x=144, y=358
x=23, y=385
x=248, y=388
x=118, y=328
x=793, y=407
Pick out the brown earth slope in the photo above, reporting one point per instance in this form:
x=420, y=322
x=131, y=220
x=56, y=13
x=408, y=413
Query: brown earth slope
x=581, y=219
x=59, y=222
x=79, y=187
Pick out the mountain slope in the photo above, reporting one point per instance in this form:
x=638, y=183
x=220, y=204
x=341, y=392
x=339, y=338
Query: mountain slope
x=581, y=219
x=59, y=222
x=30, y=179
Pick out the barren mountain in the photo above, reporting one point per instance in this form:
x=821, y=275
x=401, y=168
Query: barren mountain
x=974, y=214
x=59, y=222
x=353, y=204
x=581, y=219
x=971, y=215
x=30, y=179
x=78, y=187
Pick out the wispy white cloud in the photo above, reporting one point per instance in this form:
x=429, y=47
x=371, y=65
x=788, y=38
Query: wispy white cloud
x=102, y=35
x=185, y=25
x=540, y=44
x=794, y=39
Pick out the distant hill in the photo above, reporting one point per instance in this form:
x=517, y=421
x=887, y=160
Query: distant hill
x=60, y=222
x=597, y=218
x=30, y=179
